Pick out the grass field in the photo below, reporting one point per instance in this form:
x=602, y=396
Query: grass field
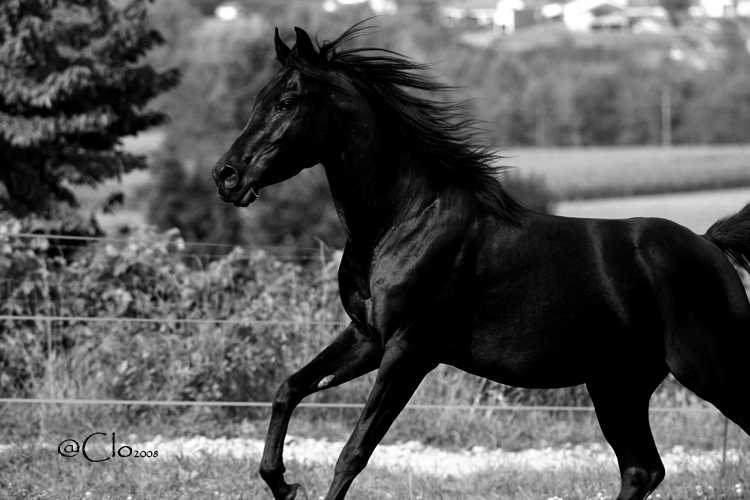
x=34, y=472
x=574, y=174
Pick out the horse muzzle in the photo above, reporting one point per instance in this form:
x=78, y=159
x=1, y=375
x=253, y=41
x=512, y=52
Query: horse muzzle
x=234, y=189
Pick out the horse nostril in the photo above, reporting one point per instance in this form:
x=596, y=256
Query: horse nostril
x=228, y=176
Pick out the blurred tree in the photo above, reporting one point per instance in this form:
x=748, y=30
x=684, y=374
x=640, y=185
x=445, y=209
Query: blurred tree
x=300, y=212
x=70, y=89
x=266, y=7
x=175, y=20
x=225, y=64
x=722, y=114
x=596, y=104
x=178, y=204
x=639, y=104
x=206, y=7
x=677, y=10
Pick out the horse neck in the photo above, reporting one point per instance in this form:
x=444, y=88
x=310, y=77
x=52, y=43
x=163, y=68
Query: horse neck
x=374, y=184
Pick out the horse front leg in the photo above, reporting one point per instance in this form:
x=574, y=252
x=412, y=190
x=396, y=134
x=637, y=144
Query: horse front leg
x=349, y=356
x=399, y=375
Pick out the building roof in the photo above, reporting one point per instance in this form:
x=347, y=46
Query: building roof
x=469, y=4
x=588, y=5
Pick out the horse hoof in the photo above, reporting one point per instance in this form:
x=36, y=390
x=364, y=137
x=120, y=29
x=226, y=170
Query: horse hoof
x=297, y=493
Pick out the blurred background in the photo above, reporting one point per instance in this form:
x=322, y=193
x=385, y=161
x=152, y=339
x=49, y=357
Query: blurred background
x=590, y=99
x=117, y=258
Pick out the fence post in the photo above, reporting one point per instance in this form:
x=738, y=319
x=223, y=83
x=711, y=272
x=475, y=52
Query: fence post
x=666, y=116
x=724, y=448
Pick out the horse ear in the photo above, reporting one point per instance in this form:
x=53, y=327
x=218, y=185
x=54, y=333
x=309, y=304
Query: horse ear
x=282, y=51
x=305, y=47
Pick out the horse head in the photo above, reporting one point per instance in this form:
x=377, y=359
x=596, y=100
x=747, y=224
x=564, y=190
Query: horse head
x=287, y=130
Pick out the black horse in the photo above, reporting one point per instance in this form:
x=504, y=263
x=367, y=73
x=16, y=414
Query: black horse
x=442, y=266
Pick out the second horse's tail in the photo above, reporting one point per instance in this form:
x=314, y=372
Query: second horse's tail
x=732, y=235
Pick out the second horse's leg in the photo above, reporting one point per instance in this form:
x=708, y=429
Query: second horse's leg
x=349, y=356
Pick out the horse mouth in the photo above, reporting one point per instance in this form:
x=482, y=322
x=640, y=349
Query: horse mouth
x=245, y=198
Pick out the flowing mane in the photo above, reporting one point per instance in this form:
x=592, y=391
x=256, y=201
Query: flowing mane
x=442, y=134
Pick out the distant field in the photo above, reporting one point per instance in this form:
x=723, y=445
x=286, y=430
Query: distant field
x=696, y=211
x=615, y=172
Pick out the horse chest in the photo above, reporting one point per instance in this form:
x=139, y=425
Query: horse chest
x=382, y=300
x=375, y=311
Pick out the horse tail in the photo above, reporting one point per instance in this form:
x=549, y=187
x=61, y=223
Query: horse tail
x=732, y=236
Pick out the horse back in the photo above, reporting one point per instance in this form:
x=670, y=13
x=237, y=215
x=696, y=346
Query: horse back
x=559, y=298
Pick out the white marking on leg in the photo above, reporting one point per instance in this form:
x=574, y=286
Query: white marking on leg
x=326, y=380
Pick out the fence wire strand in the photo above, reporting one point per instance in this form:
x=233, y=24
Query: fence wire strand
x=268, y=404
x=101, y=319
x=101, y=239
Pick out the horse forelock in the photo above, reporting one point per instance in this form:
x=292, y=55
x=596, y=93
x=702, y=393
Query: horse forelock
x=442, y=133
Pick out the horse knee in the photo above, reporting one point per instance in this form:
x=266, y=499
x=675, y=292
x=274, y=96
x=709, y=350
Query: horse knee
x=286, y=397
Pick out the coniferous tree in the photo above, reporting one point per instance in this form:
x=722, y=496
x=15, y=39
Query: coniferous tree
x=71, y=86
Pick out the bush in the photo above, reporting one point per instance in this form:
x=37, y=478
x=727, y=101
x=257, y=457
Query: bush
x=149, y=278
x=187, y=201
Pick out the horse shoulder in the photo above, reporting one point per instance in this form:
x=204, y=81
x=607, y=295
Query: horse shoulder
x=419, y=271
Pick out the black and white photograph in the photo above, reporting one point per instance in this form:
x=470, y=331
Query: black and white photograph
x=375, y=249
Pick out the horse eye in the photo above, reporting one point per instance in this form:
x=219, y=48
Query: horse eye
x=286, y=104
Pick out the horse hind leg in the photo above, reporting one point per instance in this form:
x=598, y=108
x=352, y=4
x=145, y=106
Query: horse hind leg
x=622, y=409
x=713, y=365
x=707, y=341
x=729, y=398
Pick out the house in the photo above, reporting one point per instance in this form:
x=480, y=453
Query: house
x=552, y=12
x=643, y=16
x=595, y=15
x=469, y=13
x=713, y=8
x=378, y=7
x=513, y=14
x=720, y=8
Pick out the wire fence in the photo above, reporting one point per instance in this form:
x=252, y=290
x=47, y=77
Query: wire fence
x=262, y=404
x=101, y=239
x=284, y=252
x=265, y=404
x=268, y=404
x=186, y=249
x=172, y=321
